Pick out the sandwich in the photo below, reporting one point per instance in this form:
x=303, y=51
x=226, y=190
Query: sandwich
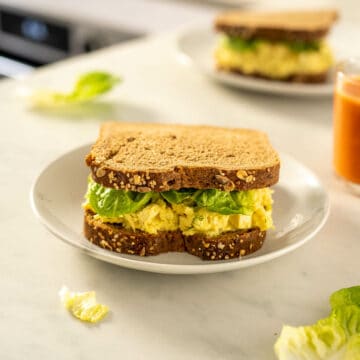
x=285, y=46
x=157, y=188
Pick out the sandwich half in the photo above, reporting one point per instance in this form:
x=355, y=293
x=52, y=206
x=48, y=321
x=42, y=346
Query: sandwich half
x=285, y=46
x=157, y=188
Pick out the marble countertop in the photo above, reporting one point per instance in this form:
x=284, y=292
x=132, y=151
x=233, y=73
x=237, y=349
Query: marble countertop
x=231, y=316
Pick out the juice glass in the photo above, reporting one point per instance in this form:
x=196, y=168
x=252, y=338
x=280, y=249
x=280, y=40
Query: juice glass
x=347, y=123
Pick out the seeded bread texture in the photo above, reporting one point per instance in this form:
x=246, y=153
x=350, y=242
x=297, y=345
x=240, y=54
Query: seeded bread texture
x=296, y=78
x=277, y=26
x=155, y=157
x=228, y=245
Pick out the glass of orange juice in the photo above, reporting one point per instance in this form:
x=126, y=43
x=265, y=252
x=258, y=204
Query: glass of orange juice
x=347, y=123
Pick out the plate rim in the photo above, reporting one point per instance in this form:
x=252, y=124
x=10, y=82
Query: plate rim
x=178, y=269
x=255, y=85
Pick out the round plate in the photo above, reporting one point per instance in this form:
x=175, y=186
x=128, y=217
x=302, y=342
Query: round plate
x=198, y=46
x=300, y=209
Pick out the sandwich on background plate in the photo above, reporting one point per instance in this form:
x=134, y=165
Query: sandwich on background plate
x=285, y=46
x=157, y=188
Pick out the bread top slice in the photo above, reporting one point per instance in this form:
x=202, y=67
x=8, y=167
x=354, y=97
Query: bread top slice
x=277, y=26
x=155, y=157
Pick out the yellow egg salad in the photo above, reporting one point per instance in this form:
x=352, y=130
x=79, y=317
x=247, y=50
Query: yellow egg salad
x=209, y=212
x=278, y=60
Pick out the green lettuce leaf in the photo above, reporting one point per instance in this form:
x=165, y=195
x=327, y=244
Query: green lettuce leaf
x=241, y=45
x=178, y=196
x=303, y=46
x=347, y=296
x=336, y=337
x=349, y=318
x=222, y=202
x=113, y=203
x=86, y=88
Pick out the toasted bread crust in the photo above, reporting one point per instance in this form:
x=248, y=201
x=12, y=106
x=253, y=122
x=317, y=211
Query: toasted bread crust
x=296, y=78
x=168, y=157
x=275, y=26
x=271, y=34
x=116, y=238
x=197, y=178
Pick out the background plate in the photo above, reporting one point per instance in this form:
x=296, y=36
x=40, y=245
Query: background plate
x=300, y=209
x=198, y=46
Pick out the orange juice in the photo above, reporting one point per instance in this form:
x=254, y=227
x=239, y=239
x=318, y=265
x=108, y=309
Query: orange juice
x=347, y=128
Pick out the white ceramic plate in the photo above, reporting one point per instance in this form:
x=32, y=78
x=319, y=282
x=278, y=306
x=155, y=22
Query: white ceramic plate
x=198, y=46
x=300, y=209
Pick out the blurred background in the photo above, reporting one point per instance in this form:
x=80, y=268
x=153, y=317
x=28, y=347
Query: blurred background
x=39, y=32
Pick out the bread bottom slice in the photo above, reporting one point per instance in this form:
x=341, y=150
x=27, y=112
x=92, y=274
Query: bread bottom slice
x=115, y=237
x=295, y=78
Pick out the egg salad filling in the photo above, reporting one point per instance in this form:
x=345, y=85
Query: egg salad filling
x=209, y=212
x=278, y=60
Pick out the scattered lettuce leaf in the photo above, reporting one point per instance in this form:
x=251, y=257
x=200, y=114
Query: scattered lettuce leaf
x=318, y=341
x=347, y=296
x=336, y=337
x=349, y=319
x=352, y=350
x=83, y=305
x=86, y=88
x=113, y=203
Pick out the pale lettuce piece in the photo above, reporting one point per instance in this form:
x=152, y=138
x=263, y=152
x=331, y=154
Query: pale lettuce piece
x=83, y=305
x=315, y=342
x=86, y=88
x=352, y=350
x=334, y=338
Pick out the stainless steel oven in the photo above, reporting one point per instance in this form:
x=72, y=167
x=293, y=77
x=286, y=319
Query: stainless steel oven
x=29, y=40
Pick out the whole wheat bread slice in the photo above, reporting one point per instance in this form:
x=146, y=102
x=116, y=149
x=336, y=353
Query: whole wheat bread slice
x=155, y=157
x=116, y=238
x=274, y=26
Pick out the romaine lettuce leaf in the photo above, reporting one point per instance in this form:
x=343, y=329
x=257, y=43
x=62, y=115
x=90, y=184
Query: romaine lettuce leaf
x=347, y=296
x=241, y=45
x=318, y=341
x=352, y=350
x=178, y=196
x=336, y=337
x=349, y=318
x=113, y=203
x=222, y=202
x=110, y=202
x=86, y=88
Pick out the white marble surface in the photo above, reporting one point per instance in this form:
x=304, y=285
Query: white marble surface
x=232, y=316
